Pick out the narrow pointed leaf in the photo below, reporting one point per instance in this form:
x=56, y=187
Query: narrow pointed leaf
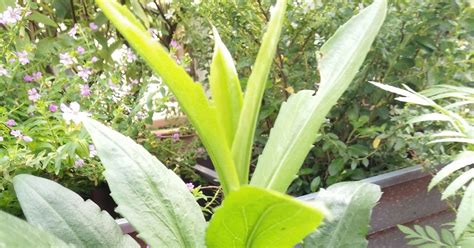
x=255, y=217
x=465, y=214
x=351, y=205
x=189, y=94
x=225, y=88
x=64, y=213
x=150, y=196
x=455, y=185
x=299, y=120
x=462, y=160
x=243, y=142
x=430, y=117
x=15, y=232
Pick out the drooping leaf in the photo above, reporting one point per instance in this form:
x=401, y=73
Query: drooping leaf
x=465, y=214
x=150, y=196
x=299, y=120
x=455, y=185
x=255, y=217
x=189, y=94
x=430, y=117
x=64, y=213
x=15, y=232
x=225, y=87
x=351, y=205
x=406, y=96
x=243, y=142
x=462, y=160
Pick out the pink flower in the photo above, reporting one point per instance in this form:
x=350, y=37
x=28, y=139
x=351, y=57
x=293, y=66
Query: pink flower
x=11, y=123
x=72, y=113
x=94, y=59
x=27, y=139
x=65, y=59
x=134, y=81
x=176, y=136
x=131, y=57
x=53, y=108
x=174, y=44
x=73, y=31
x=81, y=50
x=93, y=26
x=10, y=15
x=84, y=72
x=37, y=75
x=16, y=133
x=28, y=78
x=190, y=186
x=33, y=95
x=23, y=57
x=79, y=163
x=85, y=90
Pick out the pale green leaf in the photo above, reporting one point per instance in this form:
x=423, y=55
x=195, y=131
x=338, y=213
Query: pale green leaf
x=448, y=133
x=137, y=8
x=430, y=117
x=225, y=87
x=462, y=160
x=38, y=17
x=457, y=184
x=243, y=142
x=255, y=217
x=406, y=96
x=189, y=94
x=351, y=205
x=64, y=213
x=300, y=118
x=15, y=232
x=465, y=214
x=452, y=140
x=150, y=196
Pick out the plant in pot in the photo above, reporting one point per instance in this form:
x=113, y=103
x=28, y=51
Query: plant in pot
x=254, y=213
x=447, y=104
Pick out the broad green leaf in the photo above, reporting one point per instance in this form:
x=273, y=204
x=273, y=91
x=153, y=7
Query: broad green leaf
x=351, y=205
x=15, y=232
x=189, y=94
x=243, y=142
x=430, y=117
x=457, y=184
x=299, y=120
x=225, y=88
x=255, y=217
x=38, y=17
x=462, y=160
x=64, y=213
x=465, y=214
x=150, y=196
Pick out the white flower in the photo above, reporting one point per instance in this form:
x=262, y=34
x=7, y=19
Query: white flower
x=3, y=71
x=66, y=59
x=72, y=113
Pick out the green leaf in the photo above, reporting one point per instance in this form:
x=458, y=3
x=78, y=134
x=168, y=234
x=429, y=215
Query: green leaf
x=137, y=8
x=225, y=88
x=336, y=166
x=189, y=94
x=465, y=214
x=462, y=160
x=430, y=117
x=457, y=184
x=300, y=118
x=4, y=4
x=255, y=217
x=154, y=199
x=15, y=232
x=38, y=17
x=351, y=205
x=243, y=143
x=62, y=212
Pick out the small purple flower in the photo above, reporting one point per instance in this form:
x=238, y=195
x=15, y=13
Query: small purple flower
x=190, y=186
x=16, y=133
x=10, y=15
x=33, y=95
x=81, y=50
x=93, y=26
x=53, y=108
x=73, y=31
x=159, y=135
x=175, y=136
x=12, y=60
x=79, y=163
x=11, y=123
x=131, y=57
x=92, y=151
x=23, y=57
x=85, y=90
x=174, y=44
x=134, y=81
x=27, y=139
x=84, y=72
x=37, y=75
x=28, y=78
x=94, y=59
x=65, y=59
